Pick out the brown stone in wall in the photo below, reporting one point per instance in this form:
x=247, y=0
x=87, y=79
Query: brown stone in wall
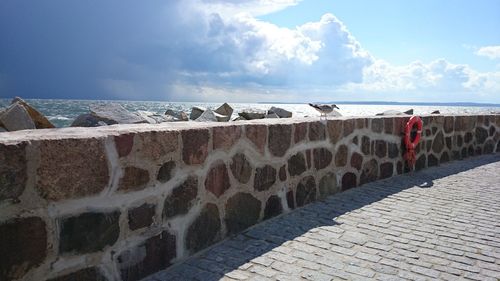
x=477, y=151
x=360, y=123
x=308, y=159
x=71, y=168
x=444, y=157
x=23, y=246
x=460, y=141
x=279, y=139
x=349, y=180
x=355, y=140
x=377, y=125
x=205, y=229
x=470, y=151
x=153, y=255
x=282, y=173
x=241, y=168
x=296, y=164
x=432, y=160
x=348, y=127
x=264, y=178
x=428, y=145
x=421, y=161
x=300, y=132
x=133, y=179
x=481, y=135
x=399, y=167
x=225, y=137
x=328, y=185
x=322, y=158
x=86, y=274
x=448, y=142
x=195, y=146
x=369, y=172
x=341, y=156
x=141, y=216
x=356, y=161
x=386, y=170
x=365, y=145
x=393, y=150
x=489, y=147
x=242, y=211
x=154, y=145
x=492, y=131
x=166, y=172
x=388, y=125
x=334, y=130
x=88, y=232
x=448, y=124
x=306, y=191
x=124, y=144
x=257, y=134
x=317, y=131
x=438, y=143
x=380, y=148
x=459, y=123
x=290, y=199
x=468, y=137
x=399, y=125
x=13, y=175
x=181, y=199
x=273, y=207
x=217, y=180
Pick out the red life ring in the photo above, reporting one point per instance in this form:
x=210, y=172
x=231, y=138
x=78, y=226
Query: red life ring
x=410, y=144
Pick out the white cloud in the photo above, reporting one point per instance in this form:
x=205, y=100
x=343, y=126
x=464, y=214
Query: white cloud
x=491, y=52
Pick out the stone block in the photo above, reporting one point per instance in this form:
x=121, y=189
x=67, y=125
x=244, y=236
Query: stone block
x=341, y=156
x=438, y=143
x=349, y=180
x=282, y=173
x=300, y=132
x=264, y=178
x=377, y=125
x=166, y=171
x=280, y=137
x=328, y=185
x=141, y=216
x=13, y=167
x=492, y=131
x=380, y=148
x=360, y=123
x=154, y=145
x=306, y=191
x=88, y=232
x=290, y=199
x=257, y=134
x=23, y=246
x=388, y=125
x=489, y=147
x=273, y=207
x=124, y=144
x=481, y=135
x=241, y=168
x=448, y=124
x=349, y=127
x=72, y=168
x=393, y=150
x=365, y=145
x=386, y=170
x=225, y=137
x=322, y=158
x=155, y=254
x=217, y=180
x=133, y=179
x=444, y=157
x=308, y=159
x=356, y=161
x=421, y=161
x=369, y=172
x=468, y=137
x=432, y=160
x=181, y=199
x=334, y=130
x=86, y=274
x=317, y=131
x=296, y=164
x=242, y=211
x=195, y=146
x=448, y=143
x=205, y=229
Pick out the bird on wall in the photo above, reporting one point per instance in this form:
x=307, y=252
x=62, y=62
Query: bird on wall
x=324, y=109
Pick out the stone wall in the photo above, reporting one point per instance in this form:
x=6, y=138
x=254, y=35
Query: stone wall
x=124, y=201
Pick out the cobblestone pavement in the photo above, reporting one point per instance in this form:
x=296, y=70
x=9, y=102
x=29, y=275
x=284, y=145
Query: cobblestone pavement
x=442, y=223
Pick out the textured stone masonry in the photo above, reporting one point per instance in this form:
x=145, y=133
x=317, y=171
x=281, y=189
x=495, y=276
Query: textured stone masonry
x=131, y=200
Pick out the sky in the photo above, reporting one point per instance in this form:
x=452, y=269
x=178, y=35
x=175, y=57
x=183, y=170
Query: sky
x=251, y=50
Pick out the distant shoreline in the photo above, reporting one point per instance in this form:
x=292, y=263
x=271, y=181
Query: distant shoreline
x=474, y=104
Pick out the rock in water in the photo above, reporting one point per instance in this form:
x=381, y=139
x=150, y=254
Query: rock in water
x=252, y=114
x=272, y=115
x=178, y=115
x=113, y=113
x=225, y=110
x=153, y=118
x=436, y=112
x=409, y=111
x=282, y=113
x=16, y=118
x=41, y=122
x=196, y=112
x=395, y=112
x=239, y=118
x=207, y=116
x=87, y=120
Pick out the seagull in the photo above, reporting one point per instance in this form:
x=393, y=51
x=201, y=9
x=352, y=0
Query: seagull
x=324, y=109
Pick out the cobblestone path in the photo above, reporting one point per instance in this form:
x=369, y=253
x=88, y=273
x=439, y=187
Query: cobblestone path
x=442, y=223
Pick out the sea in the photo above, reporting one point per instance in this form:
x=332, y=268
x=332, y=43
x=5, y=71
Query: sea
x=62, y=112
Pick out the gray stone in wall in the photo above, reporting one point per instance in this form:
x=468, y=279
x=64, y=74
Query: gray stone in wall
x=377, y=125
x=205, y=229
x=317, y=131
x=166, y=172
x=421, y=161
x=23, y=246
x=489, y=147
x=438, y=143
x=432, y=160
x=13, y=175
x=264, y=178
x=241, y=168
x=282, y=173
x=349, y=125
x=296, y=164
x=492, y=130
x=142, y=216
x=334, y=130
x=280, y=137
x=386, y=170
x=273, y=207
x=341, y=156
x=153, y=255
x=393, y=150
x=444, y=157
x=380, y=148
x=290, y=199
x=481, y=135
x=365, y=145
x=369, y=172
x=328, y=185
x=306, y=191
x=86, y=274
x=217, y=180
x=88, y=232
x=133, y=179
x=448, y=143
x=388, y=125
x=181, y=199
x=322, y=158
x=300, y=132
x=448, y=124
x=242, y=211
x=356, y=161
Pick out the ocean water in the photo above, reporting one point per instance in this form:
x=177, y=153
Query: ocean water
x=62, y=112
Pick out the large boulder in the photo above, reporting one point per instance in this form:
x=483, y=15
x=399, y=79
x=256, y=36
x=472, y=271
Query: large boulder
x=282, y=113
x=41, y=122
x=113, y=113
x=225, y=110
x=272, y=115
x=153, y=118
x=395, y=112
x=207, y=116
x=177, y=115
x=16, y=117
x=196, y=112
x=250, y=114
x=87, y=120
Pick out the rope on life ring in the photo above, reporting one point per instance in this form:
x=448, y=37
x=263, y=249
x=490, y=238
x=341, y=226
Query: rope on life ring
x=410, y=144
